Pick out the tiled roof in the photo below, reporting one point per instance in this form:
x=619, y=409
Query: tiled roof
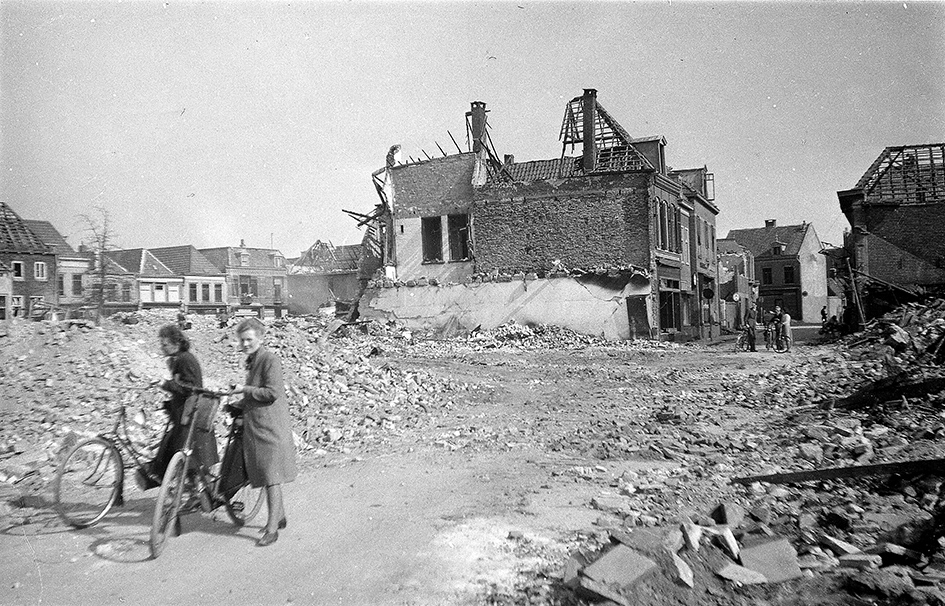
x=728, y=246
x=185, y=261
x=15, y=236
x=141, y=262
x=760, y=240
x=50, y=236
x=440, y=181
x=540, y=170
x=226, y=256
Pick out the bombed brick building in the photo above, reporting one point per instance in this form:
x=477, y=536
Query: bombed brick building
x=896, y=212
x=634, y=238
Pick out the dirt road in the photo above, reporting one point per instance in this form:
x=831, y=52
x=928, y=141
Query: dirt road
x=452, y=513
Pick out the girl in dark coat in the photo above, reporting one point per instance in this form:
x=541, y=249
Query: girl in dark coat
x=185, y=375
x=268, y=447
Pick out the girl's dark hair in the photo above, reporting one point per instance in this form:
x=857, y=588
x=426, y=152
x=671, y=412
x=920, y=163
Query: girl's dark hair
x=175, y=335
x=251, y=324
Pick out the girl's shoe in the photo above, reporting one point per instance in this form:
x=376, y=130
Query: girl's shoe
x=268, y=539
x=282, y=524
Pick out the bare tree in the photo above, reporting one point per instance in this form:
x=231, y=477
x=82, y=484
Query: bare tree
x=100, y=238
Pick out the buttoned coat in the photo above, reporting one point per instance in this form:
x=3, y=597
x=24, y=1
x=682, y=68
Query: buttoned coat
x=267, y=429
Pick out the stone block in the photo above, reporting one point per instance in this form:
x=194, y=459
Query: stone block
x=776, y=560
x=841, y=548
x=862, y=561
x=729, y=513
x=683, y=571
x=740, y=574
x=692, y=535
x=620, y=566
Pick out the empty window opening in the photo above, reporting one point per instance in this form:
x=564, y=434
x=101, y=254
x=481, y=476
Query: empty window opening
x=431, y=232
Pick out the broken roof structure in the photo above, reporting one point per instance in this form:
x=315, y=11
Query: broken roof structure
x=16, y=236
x=325, y=258
x=896, y=210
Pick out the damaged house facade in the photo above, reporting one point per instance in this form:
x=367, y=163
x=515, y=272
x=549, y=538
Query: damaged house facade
x=789, y=267
x=896, y=211
x=324, y=275
x=610, y=242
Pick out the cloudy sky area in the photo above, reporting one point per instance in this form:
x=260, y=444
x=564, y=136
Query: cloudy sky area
x=208, y=122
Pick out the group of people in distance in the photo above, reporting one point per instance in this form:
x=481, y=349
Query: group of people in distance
x=268, y=448
x=777, y=321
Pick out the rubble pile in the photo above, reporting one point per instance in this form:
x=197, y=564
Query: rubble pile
x=733, y=548
x=63, y=381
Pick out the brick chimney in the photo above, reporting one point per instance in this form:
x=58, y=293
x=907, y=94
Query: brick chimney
x=769, y=223
x=589, y=104
x=477, y=125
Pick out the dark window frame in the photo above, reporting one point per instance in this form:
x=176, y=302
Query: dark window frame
x=767, y=276
x=789, y=277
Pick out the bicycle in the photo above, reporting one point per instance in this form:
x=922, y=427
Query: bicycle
x=782, y=344
x=205, y=490
x=91, y=476
x=742, y=343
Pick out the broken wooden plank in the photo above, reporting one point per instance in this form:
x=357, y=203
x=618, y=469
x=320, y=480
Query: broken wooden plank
x=936, y=466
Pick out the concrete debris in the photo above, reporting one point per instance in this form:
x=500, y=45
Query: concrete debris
x=739, y=574
x=860, y=560
x=683, y=571
x=620, y=567
x=776, y=560
x=726, y=540
x=840, y=548
x=692, y=535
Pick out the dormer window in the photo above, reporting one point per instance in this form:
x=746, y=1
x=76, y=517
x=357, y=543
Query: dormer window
x=244, y=258
x=777, y=249
x=278, y=261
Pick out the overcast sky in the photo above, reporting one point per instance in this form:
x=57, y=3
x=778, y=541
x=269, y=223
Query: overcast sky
x=208, y=122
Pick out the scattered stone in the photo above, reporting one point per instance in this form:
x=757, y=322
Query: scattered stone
x=812, y=452
x=673, y=540
x=620, y=566
x=895, y=554
x=729, y=513
x=726, y=540
x=573, y=567
x=776, y=560
x=841, y=548
x=692, y=534
x=683, y=571
x=740, y=574
x=862, y=561
x=889, y=582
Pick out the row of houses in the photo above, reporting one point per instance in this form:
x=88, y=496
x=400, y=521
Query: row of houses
x=40, y=271
x=610, y=240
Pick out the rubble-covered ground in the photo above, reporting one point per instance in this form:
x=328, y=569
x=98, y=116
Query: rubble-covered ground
x=624, y=452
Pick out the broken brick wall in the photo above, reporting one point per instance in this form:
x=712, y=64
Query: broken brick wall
x=583, y=223
x=596, y=307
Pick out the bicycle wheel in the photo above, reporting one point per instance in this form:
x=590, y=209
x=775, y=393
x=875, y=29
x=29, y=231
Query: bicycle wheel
x=781, y=345
x=88, y=482
x=168, y=503
x=741, y=343
x=245, y=504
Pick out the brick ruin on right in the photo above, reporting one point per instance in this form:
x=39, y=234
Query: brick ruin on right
x=896, y=243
